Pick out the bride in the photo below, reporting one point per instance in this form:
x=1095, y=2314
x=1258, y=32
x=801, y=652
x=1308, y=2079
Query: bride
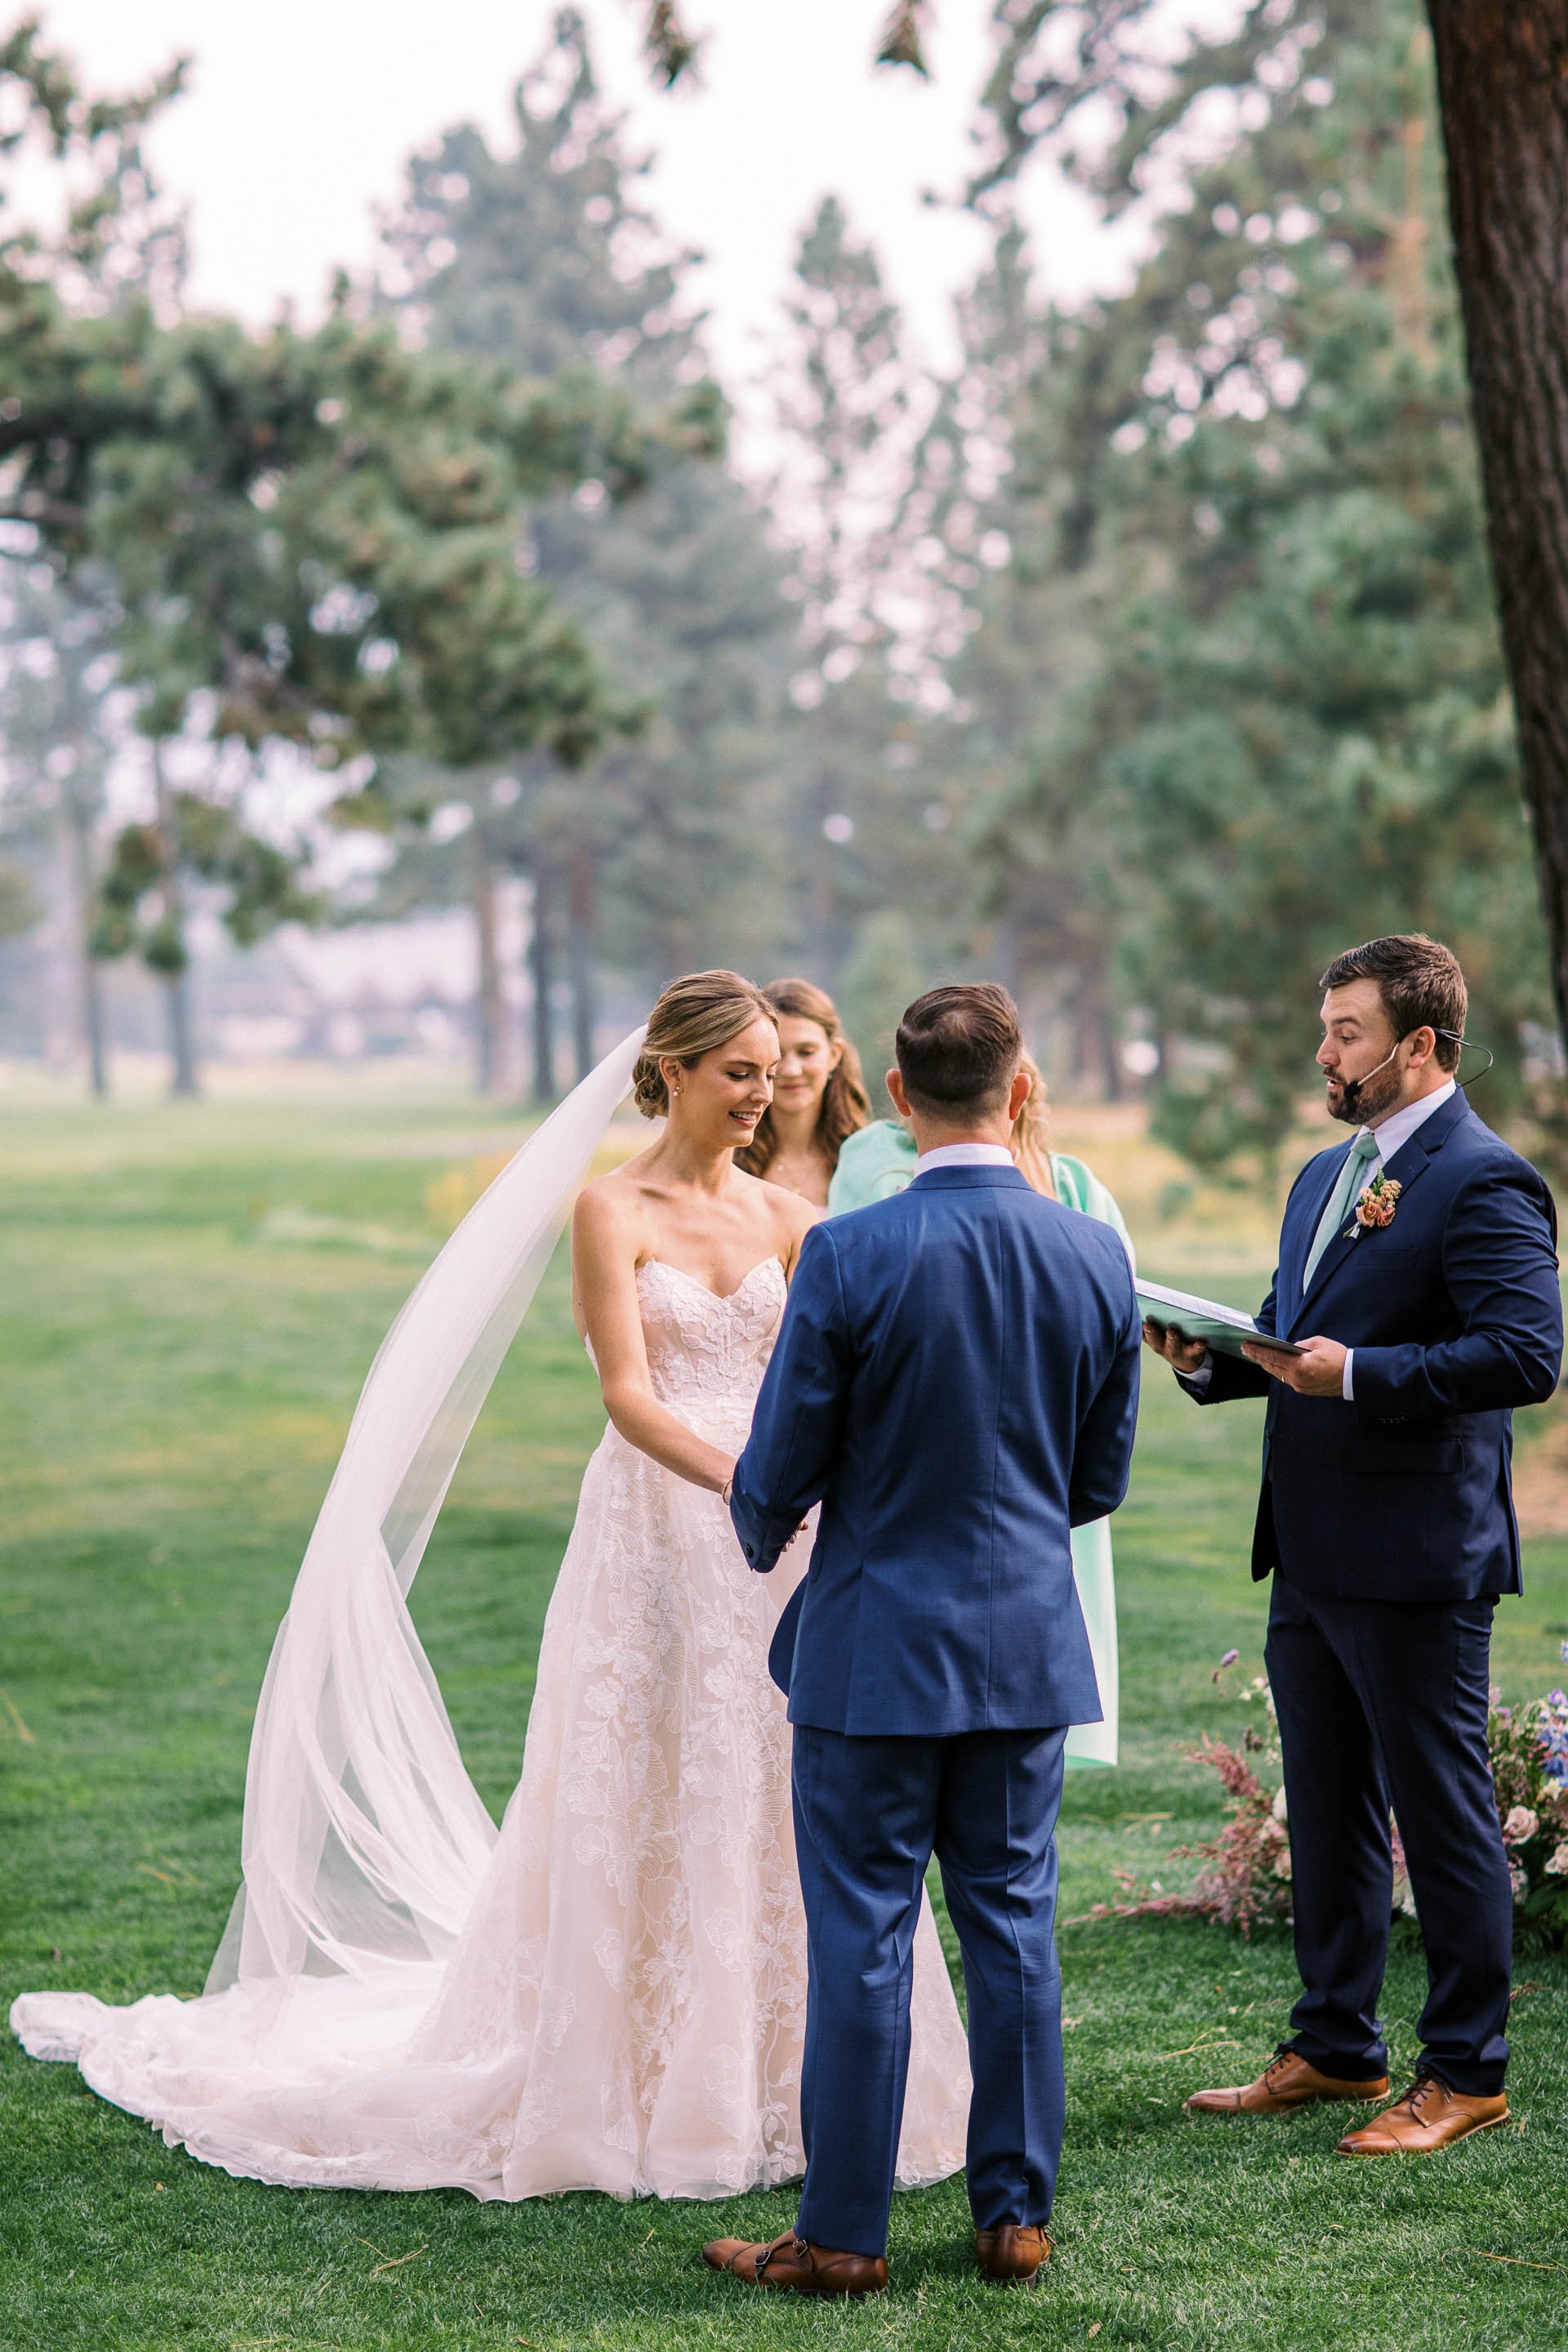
x=611, y=1994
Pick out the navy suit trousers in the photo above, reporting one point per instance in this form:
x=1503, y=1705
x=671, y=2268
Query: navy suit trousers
x=868, y=1813
x=1384, y=1703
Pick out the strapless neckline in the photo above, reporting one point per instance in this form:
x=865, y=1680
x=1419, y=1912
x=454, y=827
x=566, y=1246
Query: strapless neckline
x=720, y=1298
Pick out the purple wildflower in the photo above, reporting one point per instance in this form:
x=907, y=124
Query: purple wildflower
x=1554, y=1736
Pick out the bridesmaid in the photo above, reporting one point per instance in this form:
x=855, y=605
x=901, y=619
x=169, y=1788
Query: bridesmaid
x=819, y=1097
x=879, y=1161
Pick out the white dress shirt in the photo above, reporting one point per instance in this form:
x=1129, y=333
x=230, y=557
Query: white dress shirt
x=1390, y=1134
x=965, y=1155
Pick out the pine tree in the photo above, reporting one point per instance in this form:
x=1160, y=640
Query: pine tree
x=1497, y=93
x=1035, y=579
x=1297, y=720
x=312, y=537
x=1505, y=129
x=860, y=498
x=539, y=258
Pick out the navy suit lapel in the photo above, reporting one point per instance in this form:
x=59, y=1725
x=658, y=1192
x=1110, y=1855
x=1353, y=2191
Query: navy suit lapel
x=1406, y=1167
x=1411, y=1161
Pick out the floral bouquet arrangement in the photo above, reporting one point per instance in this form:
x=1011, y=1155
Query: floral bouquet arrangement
x=1245, y=1874
x=1529, y=1766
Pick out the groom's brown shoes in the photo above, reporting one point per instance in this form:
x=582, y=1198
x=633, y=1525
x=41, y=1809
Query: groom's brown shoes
x=791, y=2266
x=1013, y=2255
x=1428, y=2117
x=1285, y=2083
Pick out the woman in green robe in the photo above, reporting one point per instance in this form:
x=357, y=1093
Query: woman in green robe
x=878, y=1162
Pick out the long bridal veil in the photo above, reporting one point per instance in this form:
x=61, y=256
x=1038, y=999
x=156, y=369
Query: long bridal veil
x=364, y=1841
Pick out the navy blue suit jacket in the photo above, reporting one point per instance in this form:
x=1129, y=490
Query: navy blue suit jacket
x=1456, y=1317
x=956, y=1382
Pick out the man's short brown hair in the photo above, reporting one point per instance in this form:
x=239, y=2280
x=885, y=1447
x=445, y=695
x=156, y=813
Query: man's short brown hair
x=1420, y=981
x=958, y=1050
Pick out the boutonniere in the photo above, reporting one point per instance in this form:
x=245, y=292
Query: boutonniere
x=1377, y=1203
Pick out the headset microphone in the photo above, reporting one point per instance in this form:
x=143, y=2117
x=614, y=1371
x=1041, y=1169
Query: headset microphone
x=1455, y=1039
x=1350, y=1090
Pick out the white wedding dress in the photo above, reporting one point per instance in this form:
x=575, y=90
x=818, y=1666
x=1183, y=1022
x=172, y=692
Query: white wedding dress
x=623, y=2004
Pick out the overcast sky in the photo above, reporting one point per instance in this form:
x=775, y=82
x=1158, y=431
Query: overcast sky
x=301, y=112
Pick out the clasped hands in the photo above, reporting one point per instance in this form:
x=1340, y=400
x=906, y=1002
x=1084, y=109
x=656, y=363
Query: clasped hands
x=728, y=1488
x=1318, y=1371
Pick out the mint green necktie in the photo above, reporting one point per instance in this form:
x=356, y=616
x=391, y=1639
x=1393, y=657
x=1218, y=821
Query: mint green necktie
x=1363, y=1152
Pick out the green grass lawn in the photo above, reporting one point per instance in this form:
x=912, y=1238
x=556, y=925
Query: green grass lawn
x=188, y=1301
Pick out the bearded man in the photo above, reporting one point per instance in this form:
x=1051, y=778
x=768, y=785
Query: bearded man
x=1417, y=1274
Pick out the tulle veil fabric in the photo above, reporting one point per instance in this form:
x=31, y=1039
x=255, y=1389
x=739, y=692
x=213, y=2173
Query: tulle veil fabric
x=365, y=1840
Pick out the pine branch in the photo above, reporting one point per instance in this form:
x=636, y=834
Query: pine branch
x=47, y=86
x=902, y=42
x=1034, y=91
x=669, y=48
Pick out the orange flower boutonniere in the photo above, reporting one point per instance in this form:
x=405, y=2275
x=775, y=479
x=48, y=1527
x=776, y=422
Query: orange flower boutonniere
x=1377, y=1203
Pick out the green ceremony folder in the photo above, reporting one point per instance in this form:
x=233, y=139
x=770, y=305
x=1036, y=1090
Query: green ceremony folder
x=1224, y=1328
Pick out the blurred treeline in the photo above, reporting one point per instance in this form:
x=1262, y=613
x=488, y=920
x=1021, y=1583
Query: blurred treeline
x=1143, y=659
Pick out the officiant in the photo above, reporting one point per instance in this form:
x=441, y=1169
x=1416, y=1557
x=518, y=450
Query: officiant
x=1418, y=1272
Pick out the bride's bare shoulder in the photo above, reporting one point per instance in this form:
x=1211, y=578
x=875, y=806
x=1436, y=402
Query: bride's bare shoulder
x=628, y=1179
x=609, y=1208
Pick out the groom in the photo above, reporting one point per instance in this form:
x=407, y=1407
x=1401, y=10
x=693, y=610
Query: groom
x=956, y=1382
x=1417, y=1270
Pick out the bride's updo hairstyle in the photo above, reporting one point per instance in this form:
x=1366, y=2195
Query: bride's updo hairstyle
x=694, y=1016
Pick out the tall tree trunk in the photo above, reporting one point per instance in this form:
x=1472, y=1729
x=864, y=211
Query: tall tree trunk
x=542, y=970
x=1094, y=1041
x=182, y=1077
x=821, y=927
x=1165, y=1054
x=581, y=917
x=1502, y=80
x=821, y=896
x=182, y=1033
x=490, y=1073
x=89, y=969
x=1108, y=1048
x=1005, y=958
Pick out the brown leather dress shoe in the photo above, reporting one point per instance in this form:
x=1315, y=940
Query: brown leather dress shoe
x=1285, y=2083
x=1428, y=2117
x=1013, y=2255
x=791, y=2266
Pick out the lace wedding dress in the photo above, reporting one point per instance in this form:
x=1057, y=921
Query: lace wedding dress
x=624, y=2005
